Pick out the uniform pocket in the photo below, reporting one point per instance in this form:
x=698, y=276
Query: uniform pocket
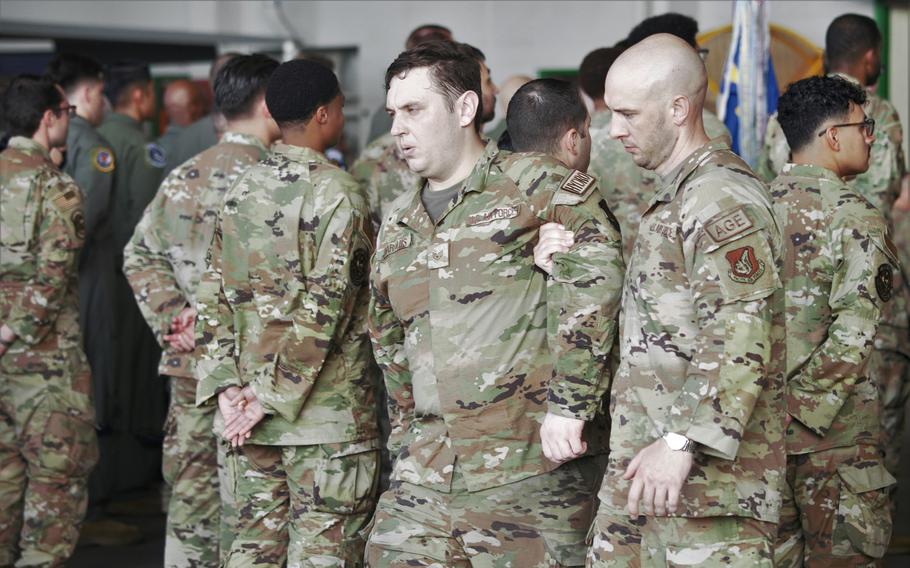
x=346, y=484
x=68, y=445
x=863, y=516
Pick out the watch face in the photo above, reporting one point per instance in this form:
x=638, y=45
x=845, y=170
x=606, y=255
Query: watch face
x=675, y=441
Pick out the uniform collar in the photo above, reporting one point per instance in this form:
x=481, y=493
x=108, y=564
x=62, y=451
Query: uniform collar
x=29, y=146
x=300, y=154
x=415, y=215
x=241, y=138
x=124, y=119
x=810, y=171
x=674, y=180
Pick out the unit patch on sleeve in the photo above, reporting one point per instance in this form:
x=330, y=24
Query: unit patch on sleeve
x=884, y=280
x=78, y=220
x=745, y=268
x=360, y=267
x=103, y=160
x=154, y=155
x=67, y=200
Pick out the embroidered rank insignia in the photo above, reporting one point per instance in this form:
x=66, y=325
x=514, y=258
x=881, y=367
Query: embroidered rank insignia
x=884, y=280
x=154, y=155
x=103, y=160
x=577, y=183
x=67, y=200
x=728, y=225
x=360, y=267
x=745, y=268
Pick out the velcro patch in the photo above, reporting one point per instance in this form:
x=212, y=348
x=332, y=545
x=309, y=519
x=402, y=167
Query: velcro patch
x=396, y=245
x=728, y=225
x=577, y=183
x=67, y=200
x=745, y=267
x=154, y=155
x=103, y=160
x=493, y=215
x=884, y=280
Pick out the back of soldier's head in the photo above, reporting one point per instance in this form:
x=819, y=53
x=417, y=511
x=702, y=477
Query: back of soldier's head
x=69, y=70
x=427, y=33
x=453, y=68
x=122, y=78
x=296, y=89
x=541, y=112
x=25, y=101
x=809, y=103
x=683, y=27
x=241, y=83
x=218, y=63
x=594, y=68
x=849, y=37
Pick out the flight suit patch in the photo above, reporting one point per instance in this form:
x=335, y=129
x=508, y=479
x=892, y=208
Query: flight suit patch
x=884, y=282
x=745, y=267
x=154, y=155
x=728, y=225
x=103, y=160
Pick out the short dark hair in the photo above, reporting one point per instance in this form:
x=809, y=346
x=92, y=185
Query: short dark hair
x=683, y=27
x=808, y=103
x=70, y=69
x=240, y=82
x=25, y=101
x=453, y=68
x=849, y=37
x=427, y=32
x=593, y=71
x=297, y=88
x=541, y=112
x=122, y=78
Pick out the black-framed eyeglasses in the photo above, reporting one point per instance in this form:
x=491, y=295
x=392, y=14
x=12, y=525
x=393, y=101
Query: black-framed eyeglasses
x=703, y=53
x=868, y=124
x=68, y=109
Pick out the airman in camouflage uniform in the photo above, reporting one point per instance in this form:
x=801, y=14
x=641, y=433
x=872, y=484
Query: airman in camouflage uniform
x=282, y=315
x=837, y=273
x=696, y=405
x=384, y=175
x=478, y=348
x=47, y=437
x=164, y=263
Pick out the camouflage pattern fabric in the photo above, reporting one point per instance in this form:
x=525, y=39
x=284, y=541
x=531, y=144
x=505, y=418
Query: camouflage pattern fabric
x=507, y=345
x=626, y=187
x=835, y=509
x=164, y=262
x=384, y=175
x=47, y=438
x=540, y=522
x=714, y=542
x=301, y=506
x=702, y=345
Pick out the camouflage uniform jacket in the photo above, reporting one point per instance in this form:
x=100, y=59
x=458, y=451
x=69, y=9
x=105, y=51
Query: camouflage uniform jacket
x=384, y=175
x=626, y=187
x=702, y=338
x=880, y=185
x=165, y=258
x=282, y=304
x=476, y=344
x=42, y=228
x=837, y=273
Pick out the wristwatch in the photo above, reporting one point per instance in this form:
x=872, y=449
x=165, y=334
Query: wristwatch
x=679, y=443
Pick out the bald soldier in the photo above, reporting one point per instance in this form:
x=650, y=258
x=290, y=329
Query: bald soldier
x=506, y=91
x=697, y=449
x=183, y=105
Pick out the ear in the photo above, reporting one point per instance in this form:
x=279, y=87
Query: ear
x=322, y=114
x=831, y=140
x=680, y=107
x=466, y=108
x=569, y=142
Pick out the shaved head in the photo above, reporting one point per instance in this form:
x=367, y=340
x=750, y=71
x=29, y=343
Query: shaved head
x=508, y=88
x=656, y=90
x=183, y=102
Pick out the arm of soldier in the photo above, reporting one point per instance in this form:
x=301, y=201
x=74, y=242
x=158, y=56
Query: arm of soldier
x=95, y=175
x=772, y=157
x=147, y=265
x=216, y=367
x=61, y=235
x=341, y=267
x=733, y=284
x=388, y=337
x=861, y=283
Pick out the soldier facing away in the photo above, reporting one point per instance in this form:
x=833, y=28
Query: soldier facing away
x=697, y=450
x=837, y=272
x=853, y=47
x=164, y=262
x=285, y=349
x=47, y=435
x=492, y=372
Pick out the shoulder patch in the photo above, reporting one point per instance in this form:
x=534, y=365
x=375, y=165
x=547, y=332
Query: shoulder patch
x=728, y=225
x=103, y=160
x=78, y=220
x=577, y=183
x=745, y=268
x=360, y=267
x=67, y=200
x=155, y=155
x=884, y=280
